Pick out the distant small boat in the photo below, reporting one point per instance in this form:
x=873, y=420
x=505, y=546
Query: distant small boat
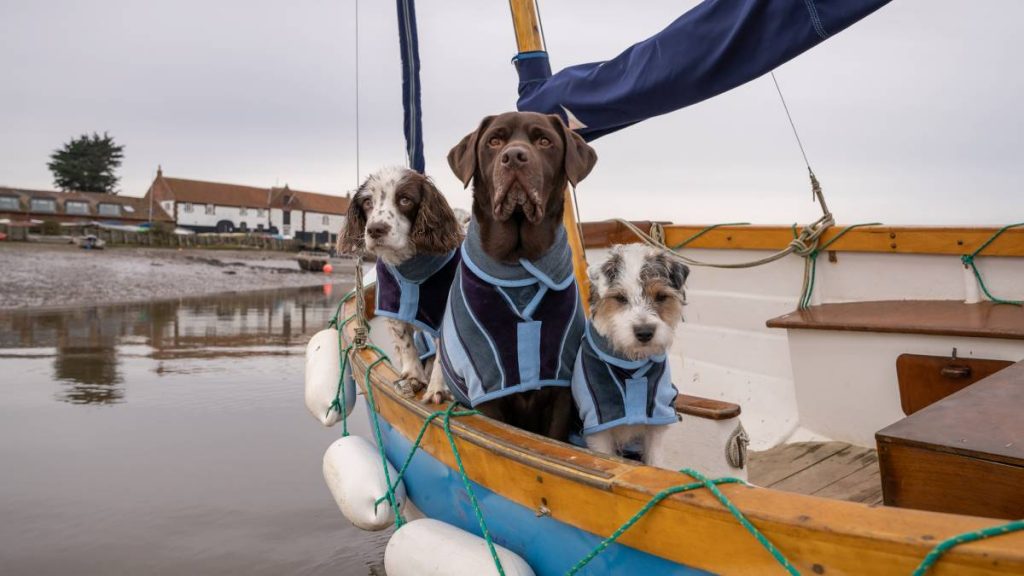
x=315, y=260
x=90, y=242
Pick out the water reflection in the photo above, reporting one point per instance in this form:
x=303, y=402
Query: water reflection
x=178, y=442
x=87, y=344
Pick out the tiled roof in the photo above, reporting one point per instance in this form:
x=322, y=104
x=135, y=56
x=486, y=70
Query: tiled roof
x=200, y=192
x=132, y=207
x=310, y=201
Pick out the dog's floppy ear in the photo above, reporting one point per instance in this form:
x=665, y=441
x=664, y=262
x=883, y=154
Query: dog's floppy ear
x=594, y=278
x=677, y=273
x=462, y=158
x=354, y=239
x=436, y=231
x=579, y=156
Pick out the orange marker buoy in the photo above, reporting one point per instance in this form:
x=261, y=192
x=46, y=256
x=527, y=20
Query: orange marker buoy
x=328, y=268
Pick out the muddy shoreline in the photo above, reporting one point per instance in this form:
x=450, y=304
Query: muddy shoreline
x=34, y=276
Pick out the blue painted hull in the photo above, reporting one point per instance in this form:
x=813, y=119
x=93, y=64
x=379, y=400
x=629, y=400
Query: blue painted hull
x=550, y=547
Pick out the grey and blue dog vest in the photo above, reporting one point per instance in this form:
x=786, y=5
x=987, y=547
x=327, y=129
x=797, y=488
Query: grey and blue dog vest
x=416, y=290
x=509, y=329
x=610, y=391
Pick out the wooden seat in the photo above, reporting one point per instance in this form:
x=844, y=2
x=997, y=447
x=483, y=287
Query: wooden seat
x=706, y=407
x=937, y=317
x=963, y=454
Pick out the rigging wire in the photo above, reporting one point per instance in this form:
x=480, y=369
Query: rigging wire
x=356, y=2
x=816, y=193
x=791, y=123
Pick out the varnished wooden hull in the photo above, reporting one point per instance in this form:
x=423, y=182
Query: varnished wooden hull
x=551, y=502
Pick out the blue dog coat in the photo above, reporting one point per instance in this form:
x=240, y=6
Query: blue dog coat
x=610, y=391
x=507, y=328
x=416, y=291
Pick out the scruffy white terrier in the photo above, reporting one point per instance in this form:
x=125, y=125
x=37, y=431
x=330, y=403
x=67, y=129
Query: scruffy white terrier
x=621, y=382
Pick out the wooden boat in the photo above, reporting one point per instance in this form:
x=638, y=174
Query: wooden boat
x=552, y=502
x=894, y=344
x=312, y=260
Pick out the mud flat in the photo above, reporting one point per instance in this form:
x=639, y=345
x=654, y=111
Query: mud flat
x=34, y=276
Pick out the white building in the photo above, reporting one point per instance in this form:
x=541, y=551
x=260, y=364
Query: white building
x=217, y=207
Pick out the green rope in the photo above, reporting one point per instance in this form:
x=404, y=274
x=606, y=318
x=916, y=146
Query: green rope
x=333, y=322
x=416, y=445
x=382, y=357
x=812, y=262
x=340, y=402
x=964, y=538
x=469, y=489
x=968, y=260
x=703, y=482
x=686, y=242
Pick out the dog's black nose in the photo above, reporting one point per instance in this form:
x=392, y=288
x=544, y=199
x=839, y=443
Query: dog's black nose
x=644, y=332
x=514, y=156
x=377, y=230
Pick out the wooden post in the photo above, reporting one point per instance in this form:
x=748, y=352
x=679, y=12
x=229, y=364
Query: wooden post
x=530, y=38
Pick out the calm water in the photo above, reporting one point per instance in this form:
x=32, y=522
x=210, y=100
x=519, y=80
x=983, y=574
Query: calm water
x=169, y=438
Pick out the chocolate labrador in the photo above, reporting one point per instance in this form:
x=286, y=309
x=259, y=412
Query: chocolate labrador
x=515, y=321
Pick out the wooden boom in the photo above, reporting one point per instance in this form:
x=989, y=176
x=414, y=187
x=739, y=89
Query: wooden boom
x=530, y=38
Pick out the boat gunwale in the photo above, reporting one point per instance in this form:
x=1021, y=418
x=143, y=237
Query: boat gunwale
x=906, y=240
x=902, y=536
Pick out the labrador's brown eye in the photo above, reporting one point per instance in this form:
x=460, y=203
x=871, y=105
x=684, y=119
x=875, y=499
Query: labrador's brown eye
x=661, y=297
x=543, y=141
x=494, y=142
x=621, y=299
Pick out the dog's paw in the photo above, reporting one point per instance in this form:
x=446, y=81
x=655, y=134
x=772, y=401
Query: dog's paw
x=409, y=386
x=437, y=394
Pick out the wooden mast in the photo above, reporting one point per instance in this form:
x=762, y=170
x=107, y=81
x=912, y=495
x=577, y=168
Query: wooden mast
x=530, y=38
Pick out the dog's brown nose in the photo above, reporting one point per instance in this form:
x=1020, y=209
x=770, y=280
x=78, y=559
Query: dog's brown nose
x=643, y=332
x=377, y=230
x=514, y=157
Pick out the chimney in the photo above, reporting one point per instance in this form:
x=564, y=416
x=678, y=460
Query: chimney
x=159, y=171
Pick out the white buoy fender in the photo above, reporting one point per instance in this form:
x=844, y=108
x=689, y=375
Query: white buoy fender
x=429, y=547
x=323, y=366
x=353, y=472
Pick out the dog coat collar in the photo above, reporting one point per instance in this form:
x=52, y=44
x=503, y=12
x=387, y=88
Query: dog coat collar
x=553, y=269
x=510, y=329
x=610, y=391
x=416, y=290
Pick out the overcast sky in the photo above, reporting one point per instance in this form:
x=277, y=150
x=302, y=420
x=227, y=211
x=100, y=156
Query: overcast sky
x=914, y=115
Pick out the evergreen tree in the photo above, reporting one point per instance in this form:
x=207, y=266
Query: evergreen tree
x=87, y=164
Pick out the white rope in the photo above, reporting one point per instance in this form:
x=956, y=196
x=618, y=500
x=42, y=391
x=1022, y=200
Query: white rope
x=805, y=243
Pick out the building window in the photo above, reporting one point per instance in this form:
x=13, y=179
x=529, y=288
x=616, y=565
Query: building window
x=327, y=220
x=243, y=211
x=43, y=205
x=259, y=212
x=186, y=207
x=76, y=207
x=108, y=209
x=9, y=203
x=211, y=209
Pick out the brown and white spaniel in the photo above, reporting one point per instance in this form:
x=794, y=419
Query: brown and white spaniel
x=399, y=216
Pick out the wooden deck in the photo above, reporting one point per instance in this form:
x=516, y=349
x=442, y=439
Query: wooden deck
x=828, y=469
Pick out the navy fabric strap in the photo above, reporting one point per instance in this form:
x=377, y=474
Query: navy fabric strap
x=408, y=40
x=711, y=49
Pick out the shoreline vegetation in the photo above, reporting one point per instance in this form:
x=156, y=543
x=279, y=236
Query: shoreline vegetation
x=46, y=276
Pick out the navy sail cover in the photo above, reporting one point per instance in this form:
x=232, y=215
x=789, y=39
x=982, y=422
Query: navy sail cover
x=713, y=48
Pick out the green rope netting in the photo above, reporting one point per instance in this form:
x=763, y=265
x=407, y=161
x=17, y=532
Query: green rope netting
x=968, y=260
